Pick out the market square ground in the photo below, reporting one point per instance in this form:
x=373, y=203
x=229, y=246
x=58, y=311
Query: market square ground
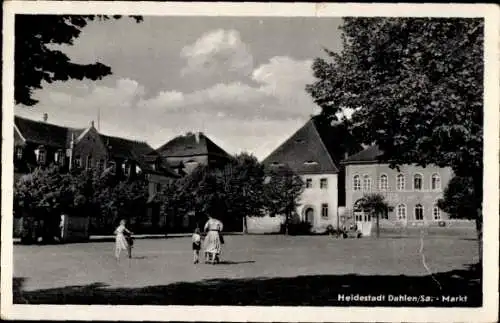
x=256, y=270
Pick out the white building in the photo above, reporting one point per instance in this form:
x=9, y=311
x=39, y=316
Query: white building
x=307, y=155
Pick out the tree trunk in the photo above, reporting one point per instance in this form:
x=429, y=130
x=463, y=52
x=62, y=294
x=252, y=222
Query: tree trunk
x=245, y=227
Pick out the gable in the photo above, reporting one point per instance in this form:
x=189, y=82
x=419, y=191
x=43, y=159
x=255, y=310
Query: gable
x=304, y=152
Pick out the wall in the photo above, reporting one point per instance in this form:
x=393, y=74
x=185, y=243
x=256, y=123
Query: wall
x=189, y=167
x=315, y=196
x=264, y=224
x=426, y=197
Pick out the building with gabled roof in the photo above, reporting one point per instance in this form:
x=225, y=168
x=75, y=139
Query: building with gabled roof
x=185, y=152
x=307, y=154
x=39, y=144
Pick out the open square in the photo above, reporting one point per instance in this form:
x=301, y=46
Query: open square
x=255, y=270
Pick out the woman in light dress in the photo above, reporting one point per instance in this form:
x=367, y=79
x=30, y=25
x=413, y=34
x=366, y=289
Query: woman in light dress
x=212, y=244
x=121, y=240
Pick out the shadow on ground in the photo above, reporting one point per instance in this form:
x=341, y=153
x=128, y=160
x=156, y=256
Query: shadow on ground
x=317, y=290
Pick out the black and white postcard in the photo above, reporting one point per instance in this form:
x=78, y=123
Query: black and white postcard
x=250, y=162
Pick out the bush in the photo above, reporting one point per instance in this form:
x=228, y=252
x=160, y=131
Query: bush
x=299, y=228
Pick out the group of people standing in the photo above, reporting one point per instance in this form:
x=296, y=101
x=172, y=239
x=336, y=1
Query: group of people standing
x=211, y=244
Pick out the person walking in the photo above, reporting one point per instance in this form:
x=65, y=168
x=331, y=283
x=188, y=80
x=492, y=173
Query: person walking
x=121, y=240
x=212, y=245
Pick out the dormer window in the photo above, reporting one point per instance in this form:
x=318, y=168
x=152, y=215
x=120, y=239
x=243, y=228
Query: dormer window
x=310, y=163
x=189, y=147
x=300, y=141
x=276, y=164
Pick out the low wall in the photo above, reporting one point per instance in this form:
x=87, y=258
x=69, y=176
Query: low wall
x=264, y=225
x=446, y=228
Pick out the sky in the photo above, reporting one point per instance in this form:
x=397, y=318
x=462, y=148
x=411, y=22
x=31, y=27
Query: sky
x=239, y=80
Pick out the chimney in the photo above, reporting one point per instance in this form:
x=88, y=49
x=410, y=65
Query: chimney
x=45, y=117
x=197, y=136
x=92, y=123
x=346, y=155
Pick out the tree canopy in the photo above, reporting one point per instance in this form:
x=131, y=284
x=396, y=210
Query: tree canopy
x=37, y=59
x=417, y=87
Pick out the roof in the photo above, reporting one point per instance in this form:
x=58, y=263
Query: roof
x=370, y=154
x=338, y=139
x=42, y=133
x=191, y=144
x=138, y=151
x=304, y=153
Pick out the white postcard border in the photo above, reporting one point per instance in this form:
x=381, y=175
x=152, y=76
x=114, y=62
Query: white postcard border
x=487, y=313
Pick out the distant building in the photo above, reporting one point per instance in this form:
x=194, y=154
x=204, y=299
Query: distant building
x=39, y=143
x=412, y=192
x=307, y=154
x=184, y=153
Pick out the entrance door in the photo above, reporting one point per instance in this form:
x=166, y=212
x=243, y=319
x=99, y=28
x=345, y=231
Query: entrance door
x=363, y=220
x=309, y=215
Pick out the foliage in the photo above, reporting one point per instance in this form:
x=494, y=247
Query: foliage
x=458, y=199
x=282, y=190
x=48, y=192
x=376, y=205
x=37, y=55
x=229, y=193
x=417, y=87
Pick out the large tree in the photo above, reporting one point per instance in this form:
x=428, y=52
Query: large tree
x=282, y=190
x=37, y=59
x=376, y=205
x=417, y=87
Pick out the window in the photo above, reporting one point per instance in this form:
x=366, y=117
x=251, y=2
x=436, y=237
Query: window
x=384, y=182
x=89, y=162
x=100, y=165
x=419, y=212
x=435, y=182
x=401, y=212
x=324, y=210
x=77, y=162
x=126, y=168
x=19, y=153
x=384, y=215
x=367, y=183
x=436, y=213
x=158, y=187
x=356, y=185
x=309, y=182
x=400, y=182
x=417, y=182
x=323, y=183
x=42, y=156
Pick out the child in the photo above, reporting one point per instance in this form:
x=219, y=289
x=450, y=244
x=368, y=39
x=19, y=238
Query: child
x=196, y=245
x=121, y=240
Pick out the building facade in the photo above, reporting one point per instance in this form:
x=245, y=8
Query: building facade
x=306, y=155
x=412, y=192
x=40, y=144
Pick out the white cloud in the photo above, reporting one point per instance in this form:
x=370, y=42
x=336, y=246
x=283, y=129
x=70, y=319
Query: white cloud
x=217, y=51
x=254, y=117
